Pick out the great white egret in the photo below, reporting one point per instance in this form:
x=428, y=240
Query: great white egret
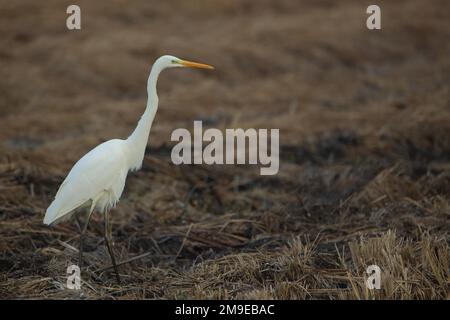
x=98, y=178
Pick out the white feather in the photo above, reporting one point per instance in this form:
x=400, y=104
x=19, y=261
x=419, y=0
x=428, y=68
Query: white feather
x=98, y=176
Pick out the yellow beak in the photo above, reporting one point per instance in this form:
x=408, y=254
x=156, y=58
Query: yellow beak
x=191, y=64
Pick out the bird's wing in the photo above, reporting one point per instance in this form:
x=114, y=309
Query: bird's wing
x=94, y=173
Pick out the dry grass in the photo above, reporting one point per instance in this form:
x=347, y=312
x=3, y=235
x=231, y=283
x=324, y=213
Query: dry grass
x=365, y=151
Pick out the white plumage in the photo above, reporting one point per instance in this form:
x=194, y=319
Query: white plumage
x=98, y=177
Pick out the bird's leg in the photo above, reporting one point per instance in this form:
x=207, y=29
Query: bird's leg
x=109, y=244
x=82, y=233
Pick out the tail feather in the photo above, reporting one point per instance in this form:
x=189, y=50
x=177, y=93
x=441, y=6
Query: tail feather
x=51, y=213
x=56, y=214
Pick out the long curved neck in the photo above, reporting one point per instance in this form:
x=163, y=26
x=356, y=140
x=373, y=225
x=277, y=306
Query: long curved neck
x=137, y=141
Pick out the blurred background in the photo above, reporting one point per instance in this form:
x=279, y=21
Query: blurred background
x=364, y=119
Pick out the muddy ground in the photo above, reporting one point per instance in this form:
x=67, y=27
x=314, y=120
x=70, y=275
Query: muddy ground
x=364, y=119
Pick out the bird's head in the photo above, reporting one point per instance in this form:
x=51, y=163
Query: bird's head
x=172, y=62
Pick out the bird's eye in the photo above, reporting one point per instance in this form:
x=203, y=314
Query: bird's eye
x=174, y=61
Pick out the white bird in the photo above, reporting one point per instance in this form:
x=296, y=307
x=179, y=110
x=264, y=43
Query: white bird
x=98, y=178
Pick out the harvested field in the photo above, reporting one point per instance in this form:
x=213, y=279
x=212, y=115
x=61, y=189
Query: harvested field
x=364, y=119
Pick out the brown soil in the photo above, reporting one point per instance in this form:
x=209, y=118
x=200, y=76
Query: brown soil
x=364, y=119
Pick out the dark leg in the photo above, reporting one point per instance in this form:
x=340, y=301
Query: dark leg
x=109, y=245
x=82, y=233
